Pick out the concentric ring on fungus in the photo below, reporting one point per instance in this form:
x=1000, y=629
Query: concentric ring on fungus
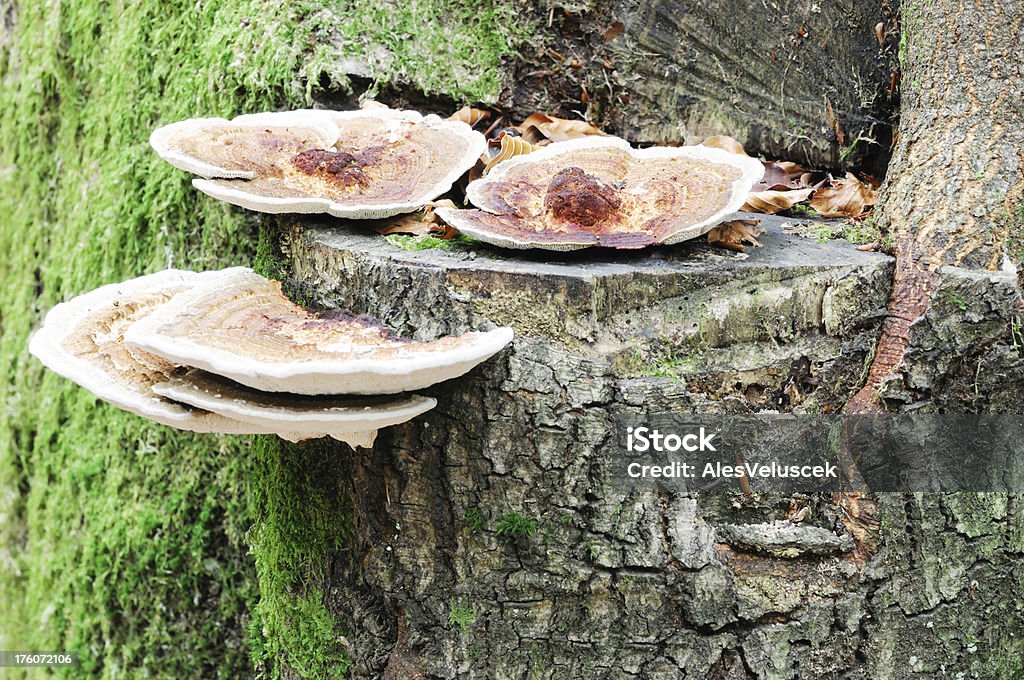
x=364, y=164
x=81, y=340
x=352, y=419
x=245, y=329
x=599, y=191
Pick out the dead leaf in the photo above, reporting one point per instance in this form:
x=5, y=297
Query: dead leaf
x=834, y=123
x=726, y=143
x=847, y=197
x=470, y=116
x=614, y=31
x=534, y=136
x=733, y=235
x=771, y=202
x=558, y=129
x=421, y=223
x=781, y=175
x=511, y=145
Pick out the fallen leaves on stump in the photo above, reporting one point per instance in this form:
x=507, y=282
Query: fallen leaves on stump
x=470, y=116
x=847, y=197
x=733, y=235
x=421, y=223
x=783, y=185
x=725, y=143
x=771, y=202
x=509, y=146
x=556, y=129
x=782, y=176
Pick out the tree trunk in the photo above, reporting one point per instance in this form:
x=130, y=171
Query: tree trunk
x=492, y=540
x=954, y=196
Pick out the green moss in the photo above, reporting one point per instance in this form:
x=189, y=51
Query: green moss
x=516, y=525
x=858, y=232
x=440, y=47
x=300, y=519
x=426, y=242
x=460, y=616
x=120, y=540
x=475, y=520
x=956, y=300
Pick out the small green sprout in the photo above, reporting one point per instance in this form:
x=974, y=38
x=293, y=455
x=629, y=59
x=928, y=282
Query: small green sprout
x=474, y=519
x=955, y=300
x=514, y=524
x=460, y=615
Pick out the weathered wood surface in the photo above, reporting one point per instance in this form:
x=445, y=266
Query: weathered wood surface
x=619, y=584
x=800, y=80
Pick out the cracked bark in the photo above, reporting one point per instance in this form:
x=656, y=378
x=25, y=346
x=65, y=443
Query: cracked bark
x=954, y=195
x=628, y=584
x=618, y=584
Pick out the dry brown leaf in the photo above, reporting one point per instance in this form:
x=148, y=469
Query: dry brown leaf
x=847, y=197
x=558, y=129
x=534, y=136
x=410, y=223
x=726, y=143
x=470, y=116
x=733, y=235
x=614, y=31
x=421, y=223
x=771, y=202
x=781, y=175
x=510, y=146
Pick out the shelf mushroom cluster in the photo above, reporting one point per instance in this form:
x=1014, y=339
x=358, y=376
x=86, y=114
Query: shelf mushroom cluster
x=379, y=162
x=225, y=351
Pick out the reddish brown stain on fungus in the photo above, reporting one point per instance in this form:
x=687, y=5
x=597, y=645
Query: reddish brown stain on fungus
x=580, y=198
x=340, y=167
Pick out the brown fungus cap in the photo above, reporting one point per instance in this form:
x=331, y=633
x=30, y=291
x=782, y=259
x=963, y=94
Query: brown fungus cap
x=354, y=420
x=601, y=192
x=245, y=329
x=365, y=164
x=82, y=340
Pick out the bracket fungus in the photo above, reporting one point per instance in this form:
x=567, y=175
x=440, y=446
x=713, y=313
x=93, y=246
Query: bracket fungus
x=354, y=420
x=366, y=164
x=81, y=340
x=87, y=340
x=599, y=191
x=242, y=327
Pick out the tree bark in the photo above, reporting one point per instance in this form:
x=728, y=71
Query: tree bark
x=491, y=539
x=954, y=195
x=798, y=80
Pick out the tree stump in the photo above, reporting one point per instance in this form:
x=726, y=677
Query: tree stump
x=489, y=541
